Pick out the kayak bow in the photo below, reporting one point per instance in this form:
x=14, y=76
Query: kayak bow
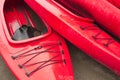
x=30, y=48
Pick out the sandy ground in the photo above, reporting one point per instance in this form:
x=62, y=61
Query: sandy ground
x=84, y=67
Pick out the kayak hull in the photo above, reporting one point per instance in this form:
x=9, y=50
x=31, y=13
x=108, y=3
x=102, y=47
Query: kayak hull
x=109, y=15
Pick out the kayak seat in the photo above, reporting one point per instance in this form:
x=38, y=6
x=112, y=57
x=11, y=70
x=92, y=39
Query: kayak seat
x=25, y=32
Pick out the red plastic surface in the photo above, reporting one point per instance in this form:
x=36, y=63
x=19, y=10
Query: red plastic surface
x=109, y=15
x=115, y=2
x=75, y=9
x=80, y=31
x=45, y=57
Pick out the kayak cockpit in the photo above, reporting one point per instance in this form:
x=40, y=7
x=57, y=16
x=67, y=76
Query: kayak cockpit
x=23, y=24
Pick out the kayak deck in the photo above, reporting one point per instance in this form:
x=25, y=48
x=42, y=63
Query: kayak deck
x=31, y=58
x=80, y=31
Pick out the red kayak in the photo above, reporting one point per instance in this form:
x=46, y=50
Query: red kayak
x=30, y=48
x=109, y=15
x=115, y=2
x=82, y=32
